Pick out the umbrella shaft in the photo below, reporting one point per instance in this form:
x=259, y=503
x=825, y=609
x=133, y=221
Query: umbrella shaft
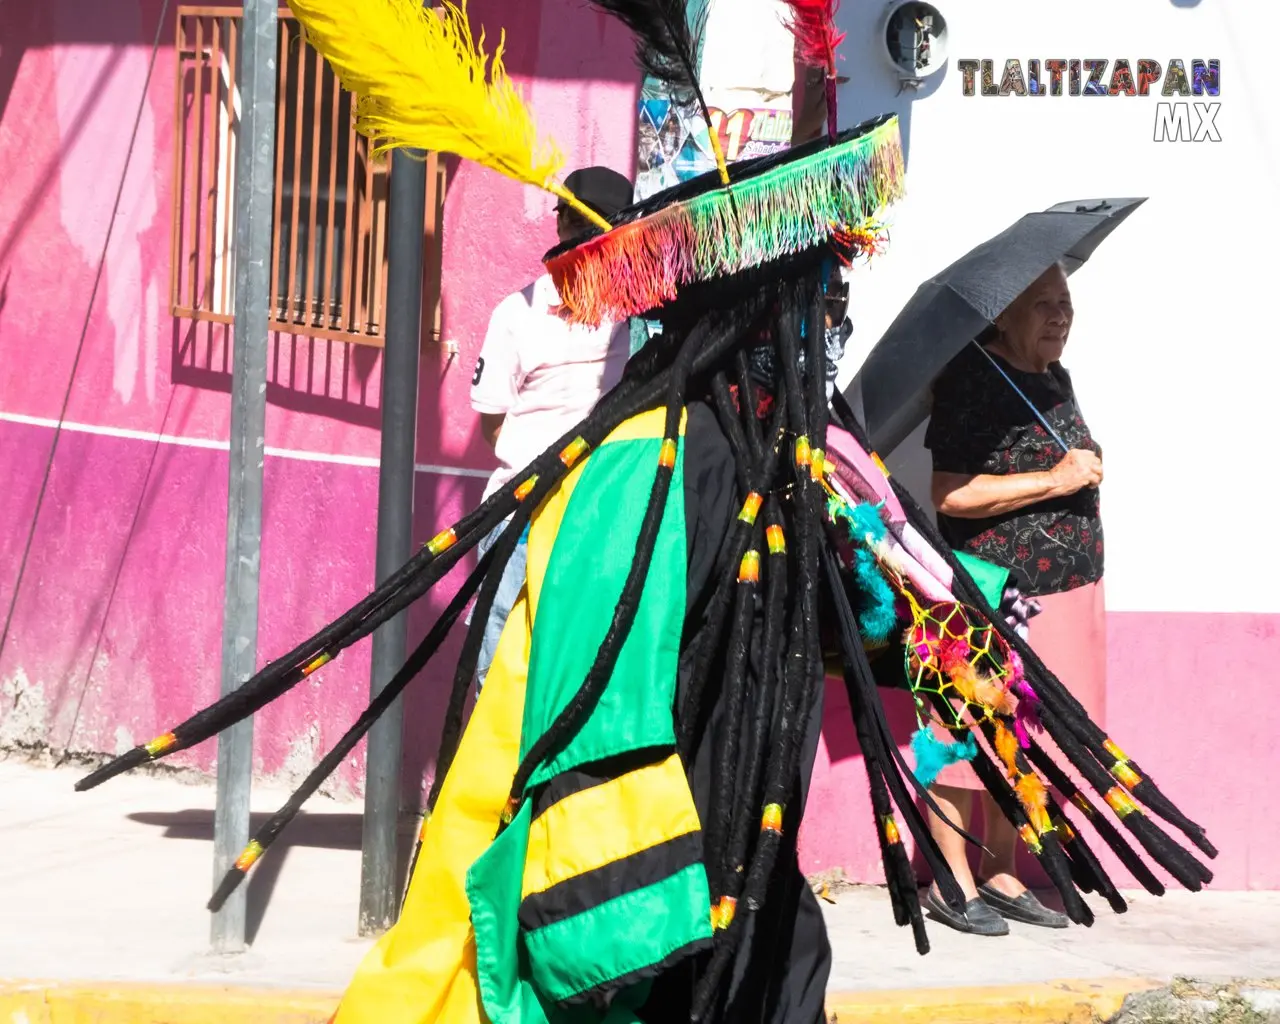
x=1030, y=405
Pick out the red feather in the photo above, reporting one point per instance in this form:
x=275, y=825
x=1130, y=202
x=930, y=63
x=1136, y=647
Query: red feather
x=814, y=24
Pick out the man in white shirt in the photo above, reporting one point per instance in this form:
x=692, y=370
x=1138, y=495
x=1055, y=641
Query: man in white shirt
x=538, y=374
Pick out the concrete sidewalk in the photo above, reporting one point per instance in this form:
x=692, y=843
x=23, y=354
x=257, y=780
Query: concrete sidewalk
x=110, y=886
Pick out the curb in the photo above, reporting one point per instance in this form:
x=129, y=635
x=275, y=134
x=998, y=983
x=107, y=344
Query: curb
x=1049, y=1002
x=1056, y=1002
x=130, y=1003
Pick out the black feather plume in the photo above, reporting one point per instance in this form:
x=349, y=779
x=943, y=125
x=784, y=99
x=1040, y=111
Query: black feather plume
x=667, y=45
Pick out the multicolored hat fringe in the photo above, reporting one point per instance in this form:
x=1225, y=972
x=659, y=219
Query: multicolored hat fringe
x=804, y=203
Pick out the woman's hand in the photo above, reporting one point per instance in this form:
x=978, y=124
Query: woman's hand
x=1078, y=469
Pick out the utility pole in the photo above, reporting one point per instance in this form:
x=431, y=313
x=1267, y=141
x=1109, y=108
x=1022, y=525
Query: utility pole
x=254, y=181
x=379, y=882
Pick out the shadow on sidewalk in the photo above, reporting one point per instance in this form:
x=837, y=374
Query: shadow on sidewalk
x=319, y=831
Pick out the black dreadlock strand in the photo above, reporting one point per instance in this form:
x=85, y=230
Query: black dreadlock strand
x=725, y=766
x=768, y=843
x=753, y=485
x=1129, y=857
x=900, y=877
x=790, y=720
x=707, y=641
x=1188, y=871
x=417, y=661
x=743, y=456
x=1049, y=688
x=755, y=438
x=1086, y=869
x=816, y=339
x=750, y=795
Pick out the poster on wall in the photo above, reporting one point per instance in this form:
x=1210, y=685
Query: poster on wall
x=747, y=72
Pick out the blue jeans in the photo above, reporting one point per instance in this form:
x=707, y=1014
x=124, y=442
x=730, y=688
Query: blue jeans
x=504, y=600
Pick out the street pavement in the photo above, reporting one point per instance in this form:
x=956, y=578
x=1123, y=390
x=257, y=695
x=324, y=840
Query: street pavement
x=111, y=885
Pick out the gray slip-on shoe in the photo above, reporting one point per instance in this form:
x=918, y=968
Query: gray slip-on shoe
x=1025, y=908
x=977, y=919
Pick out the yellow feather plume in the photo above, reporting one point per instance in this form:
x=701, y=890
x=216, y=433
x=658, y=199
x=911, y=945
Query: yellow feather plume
x=421, y=82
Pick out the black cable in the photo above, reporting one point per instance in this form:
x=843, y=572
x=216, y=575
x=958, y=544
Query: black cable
x=84, y=332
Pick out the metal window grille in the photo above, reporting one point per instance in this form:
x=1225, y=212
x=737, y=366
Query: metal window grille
x=329, y=239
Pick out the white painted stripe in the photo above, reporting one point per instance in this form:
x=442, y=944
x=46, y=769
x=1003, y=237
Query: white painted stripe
x=222, y=446
x=121, y=432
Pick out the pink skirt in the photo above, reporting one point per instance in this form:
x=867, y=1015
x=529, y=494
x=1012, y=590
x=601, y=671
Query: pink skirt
x=1070, y=636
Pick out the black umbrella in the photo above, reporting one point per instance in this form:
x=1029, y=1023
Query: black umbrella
x=890, y=393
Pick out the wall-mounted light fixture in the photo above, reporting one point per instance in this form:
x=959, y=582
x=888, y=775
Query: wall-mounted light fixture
x=915, y=41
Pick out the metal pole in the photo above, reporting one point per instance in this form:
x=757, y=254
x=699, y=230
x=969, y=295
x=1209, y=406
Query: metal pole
x=255, y=178
x=379, y=888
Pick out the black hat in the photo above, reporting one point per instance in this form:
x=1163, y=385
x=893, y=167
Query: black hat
x=604, y=190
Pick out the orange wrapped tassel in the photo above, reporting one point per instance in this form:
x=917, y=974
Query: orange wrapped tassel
x=525, y=488
x=722, y=913
x=249, y=856
x=316, y=665
x=750, y=508
x=161, y=744
x=442, y=541
x=573, y=451
x=1120, y=802
x=509, y=812
x=817, y=465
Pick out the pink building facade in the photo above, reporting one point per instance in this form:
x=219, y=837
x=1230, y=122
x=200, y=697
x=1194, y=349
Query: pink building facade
x=113, y=601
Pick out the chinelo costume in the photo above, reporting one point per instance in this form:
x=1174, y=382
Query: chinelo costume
x=611, y=837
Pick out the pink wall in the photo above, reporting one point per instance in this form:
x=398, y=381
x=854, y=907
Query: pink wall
x=115, y=631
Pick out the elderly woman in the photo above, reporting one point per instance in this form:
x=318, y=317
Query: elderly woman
x=1007, y=493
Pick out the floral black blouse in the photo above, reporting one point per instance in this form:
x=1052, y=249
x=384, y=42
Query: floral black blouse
x=980, y=425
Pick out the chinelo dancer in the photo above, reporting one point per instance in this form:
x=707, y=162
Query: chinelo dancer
x=611, y=837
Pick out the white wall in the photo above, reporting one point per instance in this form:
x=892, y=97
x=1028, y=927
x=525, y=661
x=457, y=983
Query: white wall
x=1175, y=345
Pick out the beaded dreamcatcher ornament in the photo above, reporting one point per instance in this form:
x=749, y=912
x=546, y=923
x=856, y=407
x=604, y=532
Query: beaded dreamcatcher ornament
x=962, y=674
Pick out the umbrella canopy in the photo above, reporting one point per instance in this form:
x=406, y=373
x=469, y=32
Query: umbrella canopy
x=890, y=393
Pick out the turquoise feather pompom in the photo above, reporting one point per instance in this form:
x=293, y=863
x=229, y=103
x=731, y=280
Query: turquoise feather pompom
x=932, y=755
